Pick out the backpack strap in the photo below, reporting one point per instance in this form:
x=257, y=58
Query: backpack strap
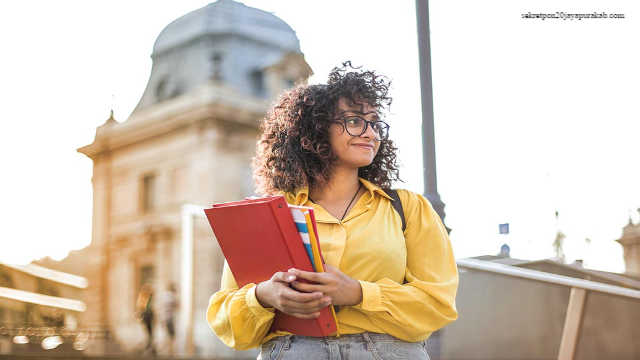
x=397, y=205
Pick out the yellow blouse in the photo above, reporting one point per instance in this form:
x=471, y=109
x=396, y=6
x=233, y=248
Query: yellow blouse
x=408, y=282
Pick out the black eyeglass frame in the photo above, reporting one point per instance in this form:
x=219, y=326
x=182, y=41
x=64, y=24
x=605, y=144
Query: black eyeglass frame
x=366, y=125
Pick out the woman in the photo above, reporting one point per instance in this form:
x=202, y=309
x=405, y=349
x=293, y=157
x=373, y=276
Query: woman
x=326, y=146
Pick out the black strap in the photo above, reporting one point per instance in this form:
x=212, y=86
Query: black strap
x=397, y=205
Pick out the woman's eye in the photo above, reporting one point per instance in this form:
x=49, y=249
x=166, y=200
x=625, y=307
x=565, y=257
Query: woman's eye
x=353, y=121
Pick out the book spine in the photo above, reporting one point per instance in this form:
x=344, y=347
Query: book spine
x=289, y=232
x=300, y=219
x=326, y=323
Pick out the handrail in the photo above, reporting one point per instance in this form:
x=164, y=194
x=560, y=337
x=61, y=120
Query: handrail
x=40, y=299
x=50, y=274
x=547, y=277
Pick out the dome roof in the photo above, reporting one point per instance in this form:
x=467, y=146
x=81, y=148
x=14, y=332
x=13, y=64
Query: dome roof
x=228, y=17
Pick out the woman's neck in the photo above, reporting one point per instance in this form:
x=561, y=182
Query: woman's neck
x=342, y=185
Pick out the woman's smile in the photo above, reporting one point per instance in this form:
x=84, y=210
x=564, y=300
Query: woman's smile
x=364, y=146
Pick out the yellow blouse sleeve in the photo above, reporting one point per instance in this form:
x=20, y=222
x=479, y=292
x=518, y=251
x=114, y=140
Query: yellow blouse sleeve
x=426, y=301
x=250, y=321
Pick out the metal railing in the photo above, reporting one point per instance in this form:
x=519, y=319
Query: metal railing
x=50, y=337
x=40, y=299
x=577, y=299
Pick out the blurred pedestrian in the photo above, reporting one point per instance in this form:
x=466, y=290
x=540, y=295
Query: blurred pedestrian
x=168, y=306
x=144, y=310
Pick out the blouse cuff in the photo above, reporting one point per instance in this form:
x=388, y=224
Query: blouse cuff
x=254, y=305
x=371, y=297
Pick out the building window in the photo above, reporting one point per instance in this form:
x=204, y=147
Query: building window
x=149, y=193
x=5, y=279
x=216, y=65
x=162, y=89
x=46, y=287
x=258, y=83
x=146, y=275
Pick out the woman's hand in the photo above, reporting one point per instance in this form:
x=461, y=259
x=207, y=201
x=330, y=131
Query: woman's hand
x=276, y=293
x=342, y=289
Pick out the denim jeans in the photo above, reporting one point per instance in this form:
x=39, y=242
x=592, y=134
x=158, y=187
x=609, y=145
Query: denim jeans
x=346, y=347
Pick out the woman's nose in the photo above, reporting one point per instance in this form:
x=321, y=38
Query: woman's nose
x=369, y=132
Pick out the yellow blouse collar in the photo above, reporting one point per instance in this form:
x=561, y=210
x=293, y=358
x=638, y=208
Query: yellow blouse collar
x=301, y=196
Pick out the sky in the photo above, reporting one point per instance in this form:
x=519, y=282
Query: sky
x=532, y=116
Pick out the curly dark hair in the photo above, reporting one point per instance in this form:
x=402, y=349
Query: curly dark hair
x=293, y=149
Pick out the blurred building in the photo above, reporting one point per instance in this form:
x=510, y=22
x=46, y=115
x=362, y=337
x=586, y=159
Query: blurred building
x=74, y=263
x=630, y=242
x=37, y=303
x=189, y=141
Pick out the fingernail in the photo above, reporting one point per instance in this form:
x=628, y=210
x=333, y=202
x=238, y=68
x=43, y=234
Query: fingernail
x=291, y=277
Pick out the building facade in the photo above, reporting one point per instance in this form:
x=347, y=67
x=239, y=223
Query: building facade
x=190, y=140
x=630, y=241
x=41, y=312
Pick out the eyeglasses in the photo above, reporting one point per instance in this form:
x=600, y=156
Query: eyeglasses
x=356, y=126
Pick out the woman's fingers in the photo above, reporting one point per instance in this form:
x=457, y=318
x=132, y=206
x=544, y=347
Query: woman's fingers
x=286, y=293
x=303, y=302
x=321, y=282
x=307, y=275
x=284, y=298
x=308, y=288
x=286, y=277
x=342, y=289
x=268, y=292
x=297, y=309
x=306, y=316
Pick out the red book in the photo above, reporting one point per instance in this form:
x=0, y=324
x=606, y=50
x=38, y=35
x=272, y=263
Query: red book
x=258, y=238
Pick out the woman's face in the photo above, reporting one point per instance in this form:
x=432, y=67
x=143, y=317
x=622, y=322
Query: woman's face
x=353, y=151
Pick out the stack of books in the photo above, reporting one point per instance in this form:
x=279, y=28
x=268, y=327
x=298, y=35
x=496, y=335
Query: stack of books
x=262, y=236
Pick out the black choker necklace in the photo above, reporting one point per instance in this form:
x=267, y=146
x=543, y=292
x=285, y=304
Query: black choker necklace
x=350, y=202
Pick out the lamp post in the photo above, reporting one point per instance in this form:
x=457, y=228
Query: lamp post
x=426, y=93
